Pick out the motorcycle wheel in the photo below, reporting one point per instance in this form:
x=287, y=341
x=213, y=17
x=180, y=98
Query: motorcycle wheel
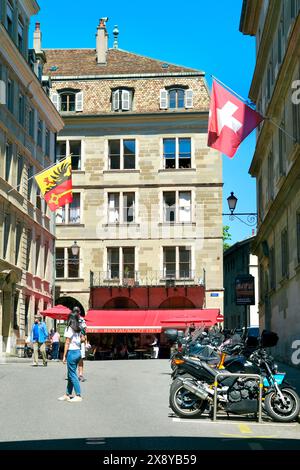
x=184, y=403
x=283, y=412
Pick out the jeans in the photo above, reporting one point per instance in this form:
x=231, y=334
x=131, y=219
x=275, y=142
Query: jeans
x=55, y=350
x=73, y=358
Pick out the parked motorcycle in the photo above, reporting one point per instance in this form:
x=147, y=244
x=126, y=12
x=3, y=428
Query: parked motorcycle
x=191, y=395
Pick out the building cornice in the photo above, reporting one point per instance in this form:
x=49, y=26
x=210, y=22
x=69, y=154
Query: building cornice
x=30, y=6
x=58, y=78
x=264, y=47
x=281, y=89
x=250, y=16
x=29, y=80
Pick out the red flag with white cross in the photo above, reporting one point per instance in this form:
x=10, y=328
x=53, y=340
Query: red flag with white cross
x=230, y=121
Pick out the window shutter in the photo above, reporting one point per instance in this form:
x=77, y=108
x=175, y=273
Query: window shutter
x=125, y=100
x=115, y=100
x=189, y=98
x=55, y=99
x=163, y=99
x=79, y=101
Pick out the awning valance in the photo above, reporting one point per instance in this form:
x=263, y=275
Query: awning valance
x=147, y=321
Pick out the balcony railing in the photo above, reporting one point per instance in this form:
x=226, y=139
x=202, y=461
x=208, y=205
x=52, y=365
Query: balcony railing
x=149, y=278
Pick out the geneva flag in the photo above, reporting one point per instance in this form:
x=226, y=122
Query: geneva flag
x=55, y=184
x=230, y=121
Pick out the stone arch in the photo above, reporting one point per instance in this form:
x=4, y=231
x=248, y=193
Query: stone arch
x=70, y=302
x=177, y=303
x=120, y=303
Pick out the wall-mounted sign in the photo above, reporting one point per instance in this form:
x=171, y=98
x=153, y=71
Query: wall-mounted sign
x=214, y=294
x=244, y=290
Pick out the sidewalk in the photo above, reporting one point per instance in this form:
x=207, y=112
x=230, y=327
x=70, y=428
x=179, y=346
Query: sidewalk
x=14, y=360
x=292, y=374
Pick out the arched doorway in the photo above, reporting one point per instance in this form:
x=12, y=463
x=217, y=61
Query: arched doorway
x=177, y=303
x=70, y=302
x=120, y=303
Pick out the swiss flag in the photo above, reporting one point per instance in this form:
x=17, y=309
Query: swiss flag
x=230, y=121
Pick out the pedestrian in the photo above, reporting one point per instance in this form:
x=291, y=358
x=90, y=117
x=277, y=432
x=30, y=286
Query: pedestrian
x=72, y=356
x=76, y=311
x=39, y=336
x=155, y=348
x=55, y=338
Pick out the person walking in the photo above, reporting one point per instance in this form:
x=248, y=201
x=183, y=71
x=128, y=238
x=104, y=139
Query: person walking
x=39, y=336
x=72, y=356
x=55, y=337
x=76, y=311
x=155, y=348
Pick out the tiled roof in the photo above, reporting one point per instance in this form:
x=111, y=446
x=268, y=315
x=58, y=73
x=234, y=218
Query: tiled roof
x=79, y=62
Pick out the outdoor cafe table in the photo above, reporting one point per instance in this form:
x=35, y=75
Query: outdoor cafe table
x=141, y=352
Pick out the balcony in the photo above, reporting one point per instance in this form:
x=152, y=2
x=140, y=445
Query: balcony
x=147, y=279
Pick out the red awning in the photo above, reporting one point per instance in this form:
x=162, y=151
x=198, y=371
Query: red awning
x=59, y=312
x=147, y=321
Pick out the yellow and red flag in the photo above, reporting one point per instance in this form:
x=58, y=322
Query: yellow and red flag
x=55, y=184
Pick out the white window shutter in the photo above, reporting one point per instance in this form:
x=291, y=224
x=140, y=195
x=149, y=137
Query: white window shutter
x=79, y=101
x=115, y=100
x=125, y=100
x=55, y=98
x=163, y=99
x=189, y=98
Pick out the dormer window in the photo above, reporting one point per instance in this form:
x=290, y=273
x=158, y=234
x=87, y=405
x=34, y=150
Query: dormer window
x=176, y=97
x=67, y=101
x=122, y=99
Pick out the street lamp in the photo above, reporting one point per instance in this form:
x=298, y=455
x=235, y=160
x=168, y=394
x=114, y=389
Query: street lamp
x=75, y=249
x=251, y=216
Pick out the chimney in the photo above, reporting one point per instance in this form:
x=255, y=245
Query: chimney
x=37, y=38
x=101, y=41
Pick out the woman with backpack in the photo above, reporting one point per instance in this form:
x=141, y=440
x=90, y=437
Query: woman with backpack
x=72, y=356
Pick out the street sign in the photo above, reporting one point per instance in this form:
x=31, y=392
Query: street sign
x=244, y=290
x=220, y=318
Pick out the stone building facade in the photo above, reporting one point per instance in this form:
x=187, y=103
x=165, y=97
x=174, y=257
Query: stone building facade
x=28, y=125
x=275, y=89
x=148, y=190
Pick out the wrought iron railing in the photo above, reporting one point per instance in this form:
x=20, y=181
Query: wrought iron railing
x=149, y=278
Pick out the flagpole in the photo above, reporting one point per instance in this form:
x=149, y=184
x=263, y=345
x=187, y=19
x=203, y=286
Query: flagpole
x=247, y=101
x=15, y=188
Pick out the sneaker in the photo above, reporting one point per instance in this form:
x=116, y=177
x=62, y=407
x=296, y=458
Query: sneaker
x=64, y=398
x=76, y=399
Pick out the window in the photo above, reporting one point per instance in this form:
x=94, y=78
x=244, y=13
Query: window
x=46, y=254
x=176, y=98
x=177, y=206
x=67, y=101
x=15, y=309
x=122, y=100
x=260, y=200
x=298, y=235
x=73, y=264
x=28, y=249
x=121, y=208
x=6, y=233
x=20, y=35
x=21, y=109
x=20, y=166
x=37, y=254
x=272, y=267
x=19, y=231
x=47, y=142
x=282, y=148
x=40, y=133
x=296, y=121
x=9, y=18
x=284, y=254
x=270, y=176
x=10, y=95
x=177, y=262
x=118, y=258
x=67, y=264
x=29, y=181
x=121, y=154
x=8, y=160
x=177, y=153
x=60, y=262
x=31, y=122
x=38, y=199
x=67, y=147
x=70, y=213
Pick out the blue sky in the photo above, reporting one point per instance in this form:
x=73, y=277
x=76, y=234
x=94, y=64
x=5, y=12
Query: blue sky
x=198, y=33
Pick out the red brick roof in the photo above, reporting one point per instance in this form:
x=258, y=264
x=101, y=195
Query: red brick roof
x=71, y=62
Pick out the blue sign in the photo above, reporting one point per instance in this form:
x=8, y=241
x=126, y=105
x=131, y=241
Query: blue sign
x=214, y=294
